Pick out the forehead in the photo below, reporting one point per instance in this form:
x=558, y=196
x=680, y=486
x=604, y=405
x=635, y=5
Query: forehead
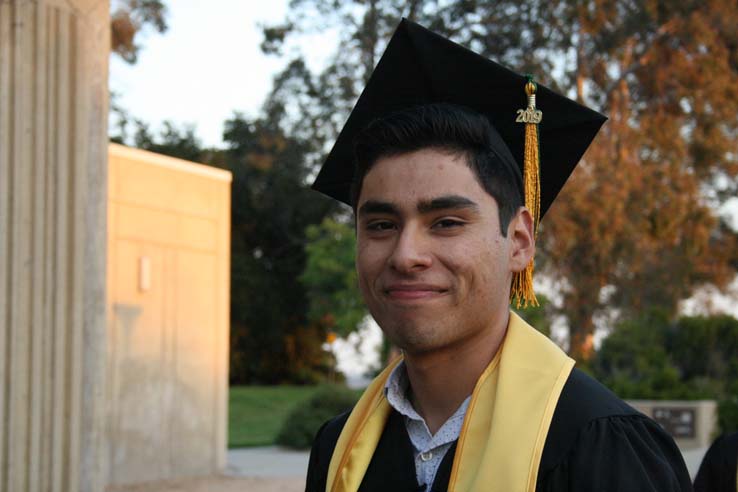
x=421, y=175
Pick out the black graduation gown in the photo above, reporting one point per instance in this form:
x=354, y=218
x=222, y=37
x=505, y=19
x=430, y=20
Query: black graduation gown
x=719, y=466
x=596, y=442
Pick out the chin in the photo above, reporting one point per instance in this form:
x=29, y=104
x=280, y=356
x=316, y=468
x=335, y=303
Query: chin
x=415, y=338
x=422, y=346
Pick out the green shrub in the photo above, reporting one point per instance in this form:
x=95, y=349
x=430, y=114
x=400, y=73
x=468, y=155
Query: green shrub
x=728, y=404
x=728, y=414
x=301, y=424
x=691, y=358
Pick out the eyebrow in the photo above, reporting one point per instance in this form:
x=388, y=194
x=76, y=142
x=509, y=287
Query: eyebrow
x=426, y=206
x=446, y=202
x=377, y=207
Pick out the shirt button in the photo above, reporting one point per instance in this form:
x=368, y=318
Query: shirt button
x=426, y=456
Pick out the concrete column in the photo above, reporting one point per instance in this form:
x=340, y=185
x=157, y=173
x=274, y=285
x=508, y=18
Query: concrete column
x=53, y=165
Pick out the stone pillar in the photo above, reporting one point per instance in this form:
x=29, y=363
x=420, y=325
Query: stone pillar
x=53, y=165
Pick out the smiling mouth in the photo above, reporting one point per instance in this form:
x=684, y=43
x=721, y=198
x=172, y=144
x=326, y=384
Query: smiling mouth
x=411, y=293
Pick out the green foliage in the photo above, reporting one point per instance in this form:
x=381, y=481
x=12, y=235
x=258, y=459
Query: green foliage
x=304, y=420
x=707, y=351
x=171, y=141
x=330, y=277
x=728, y=407
x=633, y=361
x=256, y=413
x=539, y=317
x=691, y=358
x=705, y=346
x=272, y=339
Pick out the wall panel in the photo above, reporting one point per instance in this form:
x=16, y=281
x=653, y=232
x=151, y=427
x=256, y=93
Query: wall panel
x=169, y=323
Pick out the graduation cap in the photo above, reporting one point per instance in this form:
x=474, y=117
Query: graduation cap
x=536, y=124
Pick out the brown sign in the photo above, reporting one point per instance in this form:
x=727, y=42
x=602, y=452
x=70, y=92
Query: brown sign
x=679, y=422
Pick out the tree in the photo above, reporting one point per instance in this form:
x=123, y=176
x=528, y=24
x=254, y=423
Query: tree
x=272, y=338
x=637, y=228
x=691, y=358
x=131, y=17
x=330, y=277
x=634, y=361
x=539, y=317
x=173, y=141
x=706, y=351
x=637, y=208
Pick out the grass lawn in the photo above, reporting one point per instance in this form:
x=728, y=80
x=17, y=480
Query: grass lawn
x=255, y=413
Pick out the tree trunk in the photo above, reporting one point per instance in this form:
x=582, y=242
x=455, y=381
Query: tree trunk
x=580, y=306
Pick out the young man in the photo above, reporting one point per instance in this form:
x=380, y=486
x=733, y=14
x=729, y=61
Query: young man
x=480, y=401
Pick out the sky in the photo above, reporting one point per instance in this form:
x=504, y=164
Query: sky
x=206, y=65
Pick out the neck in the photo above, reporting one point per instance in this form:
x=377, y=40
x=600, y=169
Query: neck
x=441, y=380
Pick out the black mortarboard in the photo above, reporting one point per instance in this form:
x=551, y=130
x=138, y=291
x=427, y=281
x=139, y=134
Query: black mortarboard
x=422, y=67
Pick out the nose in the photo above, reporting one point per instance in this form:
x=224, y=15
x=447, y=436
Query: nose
x=411, y=251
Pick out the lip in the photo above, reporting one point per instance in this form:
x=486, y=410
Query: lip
x=410, y=292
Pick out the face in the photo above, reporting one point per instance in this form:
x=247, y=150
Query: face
x=433, y=267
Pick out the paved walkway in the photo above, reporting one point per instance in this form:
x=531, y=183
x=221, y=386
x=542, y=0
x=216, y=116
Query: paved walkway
x=275, y=469
x=271, y=461
x=267, y=469
x=218, y=484
x=693, y=458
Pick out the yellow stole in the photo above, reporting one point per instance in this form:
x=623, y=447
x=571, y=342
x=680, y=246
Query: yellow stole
x=505, y=426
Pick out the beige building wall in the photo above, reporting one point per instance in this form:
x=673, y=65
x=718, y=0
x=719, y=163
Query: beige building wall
x=168, y=316
x=53, y=164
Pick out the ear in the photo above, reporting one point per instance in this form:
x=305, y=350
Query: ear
x=520, y=233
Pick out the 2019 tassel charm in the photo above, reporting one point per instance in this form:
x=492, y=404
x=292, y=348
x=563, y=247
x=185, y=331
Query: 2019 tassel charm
x=522, y=284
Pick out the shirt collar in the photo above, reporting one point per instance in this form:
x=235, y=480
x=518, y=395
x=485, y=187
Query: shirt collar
x=395, y=389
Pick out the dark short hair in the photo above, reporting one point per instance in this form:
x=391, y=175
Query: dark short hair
x=446, y=127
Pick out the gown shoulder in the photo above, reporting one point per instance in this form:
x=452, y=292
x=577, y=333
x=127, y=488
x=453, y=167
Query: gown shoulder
x=598, y=442
x=719, y=469
x=321, y=452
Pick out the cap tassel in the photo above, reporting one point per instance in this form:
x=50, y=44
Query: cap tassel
x=522, y=283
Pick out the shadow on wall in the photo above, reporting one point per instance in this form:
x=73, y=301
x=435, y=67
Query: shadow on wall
x=159, y=424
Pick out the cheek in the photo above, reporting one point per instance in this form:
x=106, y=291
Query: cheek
x=368, y=263
x=480, y=264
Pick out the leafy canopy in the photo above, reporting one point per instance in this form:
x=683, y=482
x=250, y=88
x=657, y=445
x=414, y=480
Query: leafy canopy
x=330, y=277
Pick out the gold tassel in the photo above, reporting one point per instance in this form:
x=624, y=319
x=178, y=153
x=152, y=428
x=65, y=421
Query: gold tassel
x=522, y=283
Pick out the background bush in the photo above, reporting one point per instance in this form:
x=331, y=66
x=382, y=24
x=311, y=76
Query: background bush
x=301, y=424
x=691, y=358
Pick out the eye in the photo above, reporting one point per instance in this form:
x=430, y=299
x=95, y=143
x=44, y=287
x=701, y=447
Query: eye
x=447, y=224
x=380, y=225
